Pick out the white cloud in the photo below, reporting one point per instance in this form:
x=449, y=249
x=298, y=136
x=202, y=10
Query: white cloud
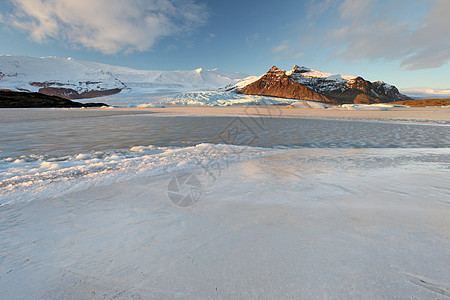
x=359, y=9
x=250, y=40
x=285, y=52
x=104, y=25
x=210, y=37
x=318, y=7
x=391, y=30
x=432, y=40
x=280, y=48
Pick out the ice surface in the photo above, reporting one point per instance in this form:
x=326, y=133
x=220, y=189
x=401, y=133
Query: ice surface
x=39, y=176
x=308, y=223
x=87, y=207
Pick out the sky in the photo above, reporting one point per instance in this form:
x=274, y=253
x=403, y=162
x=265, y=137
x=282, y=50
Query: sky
x=402, y=42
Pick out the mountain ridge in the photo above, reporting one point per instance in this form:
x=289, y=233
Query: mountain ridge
x=76, y=79
x=309, y=84
x=278, y=84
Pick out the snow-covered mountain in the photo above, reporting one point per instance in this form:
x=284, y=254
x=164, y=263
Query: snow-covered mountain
x=424, y=93
x=309, y=84
x=81, y=79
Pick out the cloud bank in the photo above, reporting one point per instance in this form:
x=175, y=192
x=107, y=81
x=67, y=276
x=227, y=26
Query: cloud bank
x=119, y=26
x=390, y=30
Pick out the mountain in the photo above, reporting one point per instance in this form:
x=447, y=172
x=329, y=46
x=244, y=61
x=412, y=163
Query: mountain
x=426, y=93
x=277, y=83
x=308, y=84
x=73, y=79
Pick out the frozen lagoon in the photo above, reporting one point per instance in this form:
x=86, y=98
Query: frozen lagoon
x=310, y=222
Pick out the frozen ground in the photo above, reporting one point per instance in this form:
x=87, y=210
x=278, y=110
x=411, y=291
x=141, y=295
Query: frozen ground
x=89, y=210
x=304, y=223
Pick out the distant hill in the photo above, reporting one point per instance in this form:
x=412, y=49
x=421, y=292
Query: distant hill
x=308, y=84
x=426, y=93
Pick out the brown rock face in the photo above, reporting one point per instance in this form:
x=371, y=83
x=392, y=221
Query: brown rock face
x=360, y=84
x=73, y=94
x=365, y=99
x=276, y=83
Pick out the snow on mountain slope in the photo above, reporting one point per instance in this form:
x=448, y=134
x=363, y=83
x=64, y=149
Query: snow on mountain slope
x=27, y=73
x=323, y=82
x=311, y=73
x=32, y=74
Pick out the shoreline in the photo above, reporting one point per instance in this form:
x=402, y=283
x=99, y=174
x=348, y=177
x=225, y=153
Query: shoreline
x=395, y=114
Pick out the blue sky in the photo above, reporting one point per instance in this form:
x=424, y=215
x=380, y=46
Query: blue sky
x=403, y=42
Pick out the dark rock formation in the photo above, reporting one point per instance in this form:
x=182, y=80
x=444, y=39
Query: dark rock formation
x=9, y=99
x=360, y=84
x=73, y=94
x=276, y=83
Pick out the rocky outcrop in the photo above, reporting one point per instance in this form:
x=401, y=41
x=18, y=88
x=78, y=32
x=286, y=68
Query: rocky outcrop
x=307, y=84
x=360, y=84
x=276, y=83
x=374, y=92
x=9, y=99
x=73, y=94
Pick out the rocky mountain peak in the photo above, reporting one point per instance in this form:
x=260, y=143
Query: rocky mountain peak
x=297, y=70
x=360, y=84
x=276, y=70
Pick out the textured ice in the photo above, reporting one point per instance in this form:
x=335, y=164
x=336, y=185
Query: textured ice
x=86, y=208
x=40, y=176
x=309, y=223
